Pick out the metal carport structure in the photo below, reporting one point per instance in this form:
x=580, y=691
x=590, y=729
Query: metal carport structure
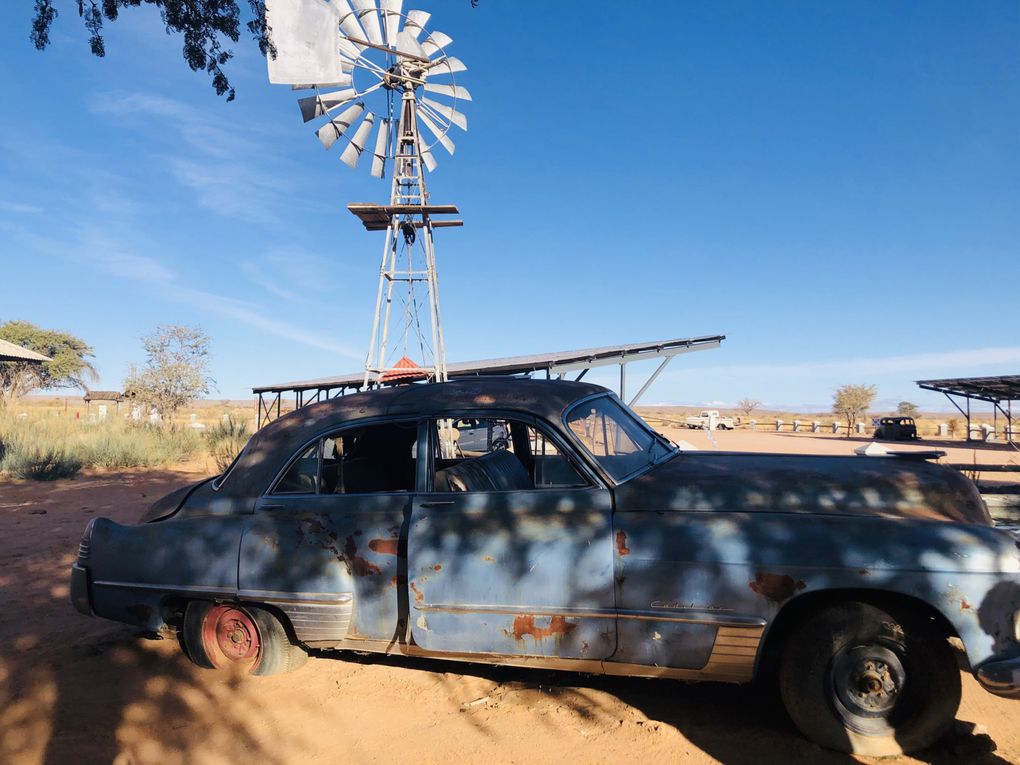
x=1004, y=389
x=557, y=364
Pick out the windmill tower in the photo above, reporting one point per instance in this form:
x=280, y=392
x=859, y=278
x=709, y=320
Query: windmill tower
x=395, y=76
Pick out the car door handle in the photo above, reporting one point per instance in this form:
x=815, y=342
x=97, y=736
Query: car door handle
x=270, y=507
x=438, y=503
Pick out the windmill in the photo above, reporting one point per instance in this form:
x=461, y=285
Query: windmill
x=375, y=68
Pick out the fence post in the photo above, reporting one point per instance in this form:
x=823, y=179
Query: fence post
x=753, y=424
x=835, y=428
x=860, y=427
x=943, y=430
x=815, y=426
x=779, y=425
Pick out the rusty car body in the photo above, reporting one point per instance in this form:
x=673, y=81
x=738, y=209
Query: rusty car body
x=896, y=429
x=583, y=541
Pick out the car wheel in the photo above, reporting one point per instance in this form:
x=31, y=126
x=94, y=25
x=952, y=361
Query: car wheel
x=857, y=679
x=221, y=635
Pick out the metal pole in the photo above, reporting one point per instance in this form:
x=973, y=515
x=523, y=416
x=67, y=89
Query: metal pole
x=650, y=380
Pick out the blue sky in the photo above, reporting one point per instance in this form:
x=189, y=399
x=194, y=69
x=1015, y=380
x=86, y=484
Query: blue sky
x=834, y=186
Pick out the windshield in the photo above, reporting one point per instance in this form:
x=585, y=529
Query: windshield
x=616, y=437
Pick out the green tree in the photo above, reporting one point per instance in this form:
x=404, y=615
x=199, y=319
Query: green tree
x=206, y=26
x=852, y=401
x=68, y=366
x=907, y=409
x=176, y=369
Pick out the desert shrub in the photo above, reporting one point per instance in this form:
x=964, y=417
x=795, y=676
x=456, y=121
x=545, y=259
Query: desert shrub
x=54, y=448
x=39, y=462
x=226, y=439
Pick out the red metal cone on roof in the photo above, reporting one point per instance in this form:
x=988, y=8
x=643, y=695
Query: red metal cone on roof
x=404, y=370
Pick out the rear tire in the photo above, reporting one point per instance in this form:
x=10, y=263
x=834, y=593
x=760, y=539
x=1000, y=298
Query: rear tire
x=222, y=635
x=858, y=679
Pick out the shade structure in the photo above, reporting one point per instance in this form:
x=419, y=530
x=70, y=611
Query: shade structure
x=11, y=352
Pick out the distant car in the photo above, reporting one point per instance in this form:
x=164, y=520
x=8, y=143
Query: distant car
x=710, y=419
x=896, y=429
x=571, y=536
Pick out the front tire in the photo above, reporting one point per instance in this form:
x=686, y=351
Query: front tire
x=223, y=635
x=858, y=679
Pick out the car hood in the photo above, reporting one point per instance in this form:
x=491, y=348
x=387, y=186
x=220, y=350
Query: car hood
x=887, y=486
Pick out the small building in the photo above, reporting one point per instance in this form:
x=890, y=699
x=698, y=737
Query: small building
x=113, y=396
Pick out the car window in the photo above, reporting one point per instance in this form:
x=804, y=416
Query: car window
x=377, y=458
x=615, y=436
x=498, y=454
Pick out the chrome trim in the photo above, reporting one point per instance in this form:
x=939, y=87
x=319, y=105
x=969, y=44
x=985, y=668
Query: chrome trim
x=709, y=617
x=731, y=661
x=289, y=596
x=200, y=589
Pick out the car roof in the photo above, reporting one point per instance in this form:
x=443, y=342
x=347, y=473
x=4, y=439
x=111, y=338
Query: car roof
x=275, y=443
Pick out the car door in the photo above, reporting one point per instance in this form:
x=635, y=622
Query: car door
x=323, y=542
x=510, y=567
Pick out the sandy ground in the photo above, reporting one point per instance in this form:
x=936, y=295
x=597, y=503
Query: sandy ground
x=80, y=690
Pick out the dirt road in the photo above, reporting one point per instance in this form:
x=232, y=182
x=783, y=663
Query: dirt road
x=81, y=690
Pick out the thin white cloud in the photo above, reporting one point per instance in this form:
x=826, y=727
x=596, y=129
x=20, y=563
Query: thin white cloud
x=939, y=363
x=110, y=256
x=193, y=125
x=18, y=208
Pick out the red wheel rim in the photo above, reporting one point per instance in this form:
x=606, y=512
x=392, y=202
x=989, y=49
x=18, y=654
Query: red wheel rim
x=230, y=637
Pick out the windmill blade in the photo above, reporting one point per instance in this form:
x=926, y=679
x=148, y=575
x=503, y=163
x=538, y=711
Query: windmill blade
x=438, y=132
x=435, y=41
x=416, y=21
x=382, y=141
x=349, y=25
x=390, y=10
x=353, y=151
x=349, y=49
x=345, y=80
x=369, y=18
x=406, y=43
x=332, y=130
x=427, y=158
x=304, y=35
x=454, y=91
x=448, y=112
x=323, y=103
x=447, y=65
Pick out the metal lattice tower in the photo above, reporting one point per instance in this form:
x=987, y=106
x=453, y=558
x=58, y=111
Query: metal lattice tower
x=373, y=51
x=409, y=257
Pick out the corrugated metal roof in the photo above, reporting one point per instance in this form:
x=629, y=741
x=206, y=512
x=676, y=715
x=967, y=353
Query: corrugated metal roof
x=1001, y=388
x=554, y=363
x=11, y=352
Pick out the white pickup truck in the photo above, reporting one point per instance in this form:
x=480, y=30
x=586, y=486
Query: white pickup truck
x=711, y=420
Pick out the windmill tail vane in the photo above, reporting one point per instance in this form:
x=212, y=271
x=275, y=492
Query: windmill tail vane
x=374, y=67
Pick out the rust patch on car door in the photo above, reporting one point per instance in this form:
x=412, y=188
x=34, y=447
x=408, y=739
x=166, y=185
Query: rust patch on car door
x=383, y=546
x=776, y=587
x=524, y=625
x=621, y=543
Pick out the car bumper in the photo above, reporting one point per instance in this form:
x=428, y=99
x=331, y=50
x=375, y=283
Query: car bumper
x=80, y=589
x=1001, y=677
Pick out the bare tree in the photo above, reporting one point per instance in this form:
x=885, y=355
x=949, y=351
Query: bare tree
x=852, y=401
x=176, y=370
x=746, y=406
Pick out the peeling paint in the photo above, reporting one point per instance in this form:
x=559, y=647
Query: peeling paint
x=438, y=567
x=422, y=623
x=776, y=587
x=419, y=596
x=488, y=559
x=358, y=565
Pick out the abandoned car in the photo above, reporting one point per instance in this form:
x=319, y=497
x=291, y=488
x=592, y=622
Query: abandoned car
x=578, y=539
x=896, y=429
